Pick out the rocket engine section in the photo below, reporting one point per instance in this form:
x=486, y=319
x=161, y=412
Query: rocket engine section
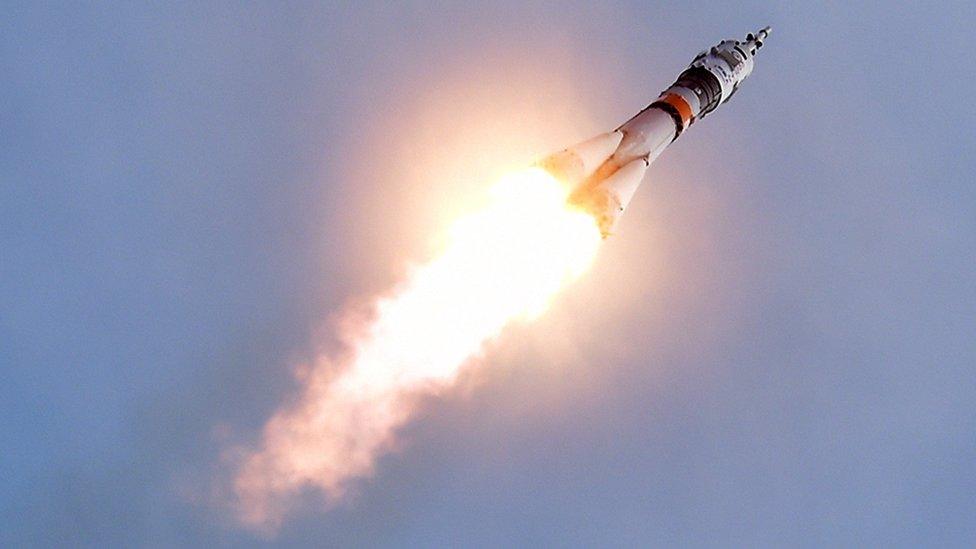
x=606, y=170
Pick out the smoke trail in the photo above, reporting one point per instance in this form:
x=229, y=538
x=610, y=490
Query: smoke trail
x=503, y=262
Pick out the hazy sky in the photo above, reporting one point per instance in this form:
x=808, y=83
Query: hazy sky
x=777, y=348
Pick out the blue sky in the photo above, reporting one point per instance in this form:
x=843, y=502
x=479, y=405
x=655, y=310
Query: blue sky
x=777, y=348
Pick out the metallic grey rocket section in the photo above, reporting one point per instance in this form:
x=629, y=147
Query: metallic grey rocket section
x=715, y=74
x=704, y=85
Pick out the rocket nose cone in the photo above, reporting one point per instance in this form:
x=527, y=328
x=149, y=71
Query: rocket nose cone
x=759, y=37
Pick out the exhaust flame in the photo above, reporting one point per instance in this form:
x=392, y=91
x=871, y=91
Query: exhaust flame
x=503, y=262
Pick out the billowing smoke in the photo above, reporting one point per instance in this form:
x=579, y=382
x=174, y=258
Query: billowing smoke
x=503, y=262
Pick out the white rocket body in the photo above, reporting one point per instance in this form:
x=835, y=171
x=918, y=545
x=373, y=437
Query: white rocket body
x=606, y=170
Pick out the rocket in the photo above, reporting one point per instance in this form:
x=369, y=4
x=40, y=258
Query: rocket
x=605, y=171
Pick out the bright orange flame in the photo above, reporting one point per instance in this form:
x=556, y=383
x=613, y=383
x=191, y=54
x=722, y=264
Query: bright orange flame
x=502, y=263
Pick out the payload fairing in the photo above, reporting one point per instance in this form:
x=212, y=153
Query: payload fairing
x=607, y=169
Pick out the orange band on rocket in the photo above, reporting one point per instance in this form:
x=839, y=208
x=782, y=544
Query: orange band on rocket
x=680, y=105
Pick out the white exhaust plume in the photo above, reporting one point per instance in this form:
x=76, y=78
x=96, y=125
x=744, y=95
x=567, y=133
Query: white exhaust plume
x=502, y=263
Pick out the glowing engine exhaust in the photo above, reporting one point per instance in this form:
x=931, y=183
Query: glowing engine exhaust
x=503, y=263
